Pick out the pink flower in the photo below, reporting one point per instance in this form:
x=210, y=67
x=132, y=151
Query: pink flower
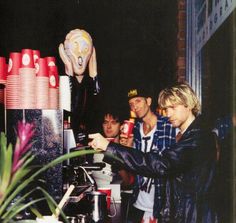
x=25, y=132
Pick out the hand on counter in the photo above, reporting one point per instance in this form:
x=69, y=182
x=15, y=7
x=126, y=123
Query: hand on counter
x=98, y=142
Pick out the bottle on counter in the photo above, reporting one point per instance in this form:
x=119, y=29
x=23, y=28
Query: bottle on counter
x=66, y=123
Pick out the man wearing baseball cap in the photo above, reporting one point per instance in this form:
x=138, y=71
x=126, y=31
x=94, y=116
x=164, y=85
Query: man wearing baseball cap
x=151, y=132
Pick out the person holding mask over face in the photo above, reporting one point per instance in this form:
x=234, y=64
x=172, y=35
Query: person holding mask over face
x=189, y=164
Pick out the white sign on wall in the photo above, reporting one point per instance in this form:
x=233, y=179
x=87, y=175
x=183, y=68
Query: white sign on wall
x=210, y=14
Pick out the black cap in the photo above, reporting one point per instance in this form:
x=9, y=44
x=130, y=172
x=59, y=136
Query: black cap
x=138, y=92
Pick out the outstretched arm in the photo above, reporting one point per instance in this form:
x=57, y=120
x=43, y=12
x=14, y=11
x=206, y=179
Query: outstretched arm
x=174, y=160
x=147, y=164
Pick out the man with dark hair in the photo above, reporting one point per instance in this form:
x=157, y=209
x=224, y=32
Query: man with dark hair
x=189, y=164
x=111, y=122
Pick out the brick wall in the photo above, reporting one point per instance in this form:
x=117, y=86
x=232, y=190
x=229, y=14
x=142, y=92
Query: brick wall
x=181, y=41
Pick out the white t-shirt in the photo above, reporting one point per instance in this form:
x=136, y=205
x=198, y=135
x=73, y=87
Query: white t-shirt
x=145, y=200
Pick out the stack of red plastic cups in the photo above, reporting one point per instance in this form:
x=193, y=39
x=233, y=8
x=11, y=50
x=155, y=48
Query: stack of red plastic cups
x=53, y=83
x=31, y=82
x=36, y=56
x=3, y=78
x=42, y=90
x=13, y=81
x=27, y=80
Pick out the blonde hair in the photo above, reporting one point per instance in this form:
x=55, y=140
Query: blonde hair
x=180, y=94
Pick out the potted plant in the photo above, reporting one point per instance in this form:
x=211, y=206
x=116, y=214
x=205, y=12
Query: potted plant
x=16, y=173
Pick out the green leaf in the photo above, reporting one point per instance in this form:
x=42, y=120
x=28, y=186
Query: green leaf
x=36, y=212
x=51, y=202
x=22, y=171
x=3, y=148
x=21, y=208
x=17, y=203
x=17, y=178
x=6, y=174
x=44, y=168
x=63, y=158
x=23, y=221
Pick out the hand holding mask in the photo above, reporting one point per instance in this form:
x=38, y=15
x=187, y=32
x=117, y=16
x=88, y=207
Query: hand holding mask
x=76, y=52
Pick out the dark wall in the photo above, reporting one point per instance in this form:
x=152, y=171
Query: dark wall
x=135, y=40
x=218, y=72
x=36, y=24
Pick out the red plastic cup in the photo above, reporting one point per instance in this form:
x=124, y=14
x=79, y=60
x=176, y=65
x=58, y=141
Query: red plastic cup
x=51, y=61
x=53, y=77
x=3, y=70
x=43, y=68
x=36, y=55
x=27, y=58
x=128, y=128
x=14, y=63
x=107, y=191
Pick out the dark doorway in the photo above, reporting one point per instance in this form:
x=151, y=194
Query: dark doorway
x=218, y=72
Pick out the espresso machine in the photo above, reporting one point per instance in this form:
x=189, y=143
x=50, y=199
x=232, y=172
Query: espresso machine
x=85, y=203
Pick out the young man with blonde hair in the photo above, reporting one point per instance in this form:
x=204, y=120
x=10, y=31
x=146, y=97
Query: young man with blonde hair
x=189, y=164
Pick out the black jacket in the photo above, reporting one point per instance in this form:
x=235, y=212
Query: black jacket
x=190, y=166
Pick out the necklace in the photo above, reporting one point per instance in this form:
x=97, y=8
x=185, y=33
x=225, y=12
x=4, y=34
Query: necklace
x=148, y=127
x=149, y=124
